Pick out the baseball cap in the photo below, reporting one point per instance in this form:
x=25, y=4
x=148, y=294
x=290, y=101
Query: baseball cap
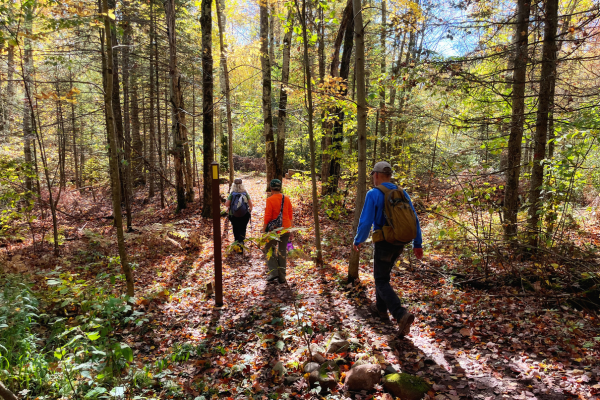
x=275, y=184
x=382, y=166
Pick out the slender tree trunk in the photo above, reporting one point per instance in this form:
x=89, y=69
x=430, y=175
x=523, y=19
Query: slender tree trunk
x=8, y=105
x=282, y=112
x=27, y=107
x=547, y=83
x=118, y=118
x=107, y=68
x=338, y=124
x=222, y=24
x=152, y=133
x=511, y=190
x=313, y=156
x=328, y=123
x=161, y=158
x=207, y=105
x=265, y=63
x=385, y=144
x=138, y=146
x=361, y=130
x=177, y=116
x=195, y=165
x=74, y=140
x=127, y=149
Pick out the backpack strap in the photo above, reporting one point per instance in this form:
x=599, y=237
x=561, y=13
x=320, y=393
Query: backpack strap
x=282, y=201
x=383, y=189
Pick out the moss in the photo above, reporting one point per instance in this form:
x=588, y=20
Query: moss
x=406, y=386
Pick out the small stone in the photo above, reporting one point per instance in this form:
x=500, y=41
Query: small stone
x=326, y=376
x=291, y=379
x=363, y=377
x=360, y=356
x=279, y=369
x=337, y=344
x=310, y=367
x=390, y=370
x=386, y=396
x=405, y=386
x=317, y=353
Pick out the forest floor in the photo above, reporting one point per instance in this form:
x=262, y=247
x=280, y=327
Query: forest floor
x=489, y=343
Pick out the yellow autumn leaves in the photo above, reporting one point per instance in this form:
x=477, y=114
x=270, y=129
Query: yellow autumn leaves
x=69, y=97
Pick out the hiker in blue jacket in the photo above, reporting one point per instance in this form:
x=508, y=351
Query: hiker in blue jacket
x=386, y=253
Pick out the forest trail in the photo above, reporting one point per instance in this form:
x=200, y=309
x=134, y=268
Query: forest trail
x=454, y=344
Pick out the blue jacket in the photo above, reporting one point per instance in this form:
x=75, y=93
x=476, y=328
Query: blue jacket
x=372, y=215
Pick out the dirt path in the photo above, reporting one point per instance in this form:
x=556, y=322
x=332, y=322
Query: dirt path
x=237, y=345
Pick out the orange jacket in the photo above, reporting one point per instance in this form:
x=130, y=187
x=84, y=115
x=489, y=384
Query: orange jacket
x=273, y=207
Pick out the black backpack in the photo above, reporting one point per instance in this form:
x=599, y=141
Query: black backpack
x=239, y=204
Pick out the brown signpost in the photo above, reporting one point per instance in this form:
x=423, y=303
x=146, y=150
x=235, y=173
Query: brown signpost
x=216, y=206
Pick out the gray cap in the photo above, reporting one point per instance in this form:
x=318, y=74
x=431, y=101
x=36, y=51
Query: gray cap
x=383, y=166
x=237, y=181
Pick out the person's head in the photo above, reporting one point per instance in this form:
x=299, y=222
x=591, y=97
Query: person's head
x=275, y=185
x=238, y=186
x=382, y=172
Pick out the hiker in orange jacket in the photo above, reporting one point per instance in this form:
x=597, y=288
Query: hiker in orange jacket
x=278, y=216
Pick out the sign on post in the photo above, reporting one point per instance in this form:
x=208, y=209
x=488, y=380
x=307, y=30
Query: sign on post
x=216, y=206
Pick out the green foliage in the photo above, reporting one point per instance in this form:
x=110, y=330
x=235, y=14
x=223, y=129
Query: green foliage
x=69, y=348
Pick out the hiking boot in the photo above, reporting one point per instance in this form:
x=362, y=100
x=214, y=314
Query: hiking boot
x=405, y=322
x=376, y=313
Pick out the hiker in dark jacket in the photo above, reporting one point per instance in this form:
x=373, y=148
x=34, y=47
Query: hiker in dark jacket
x=239, y=206
x=386, y=253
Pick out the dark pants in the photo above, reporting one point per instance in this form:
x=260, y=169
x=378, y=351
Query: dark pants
x=277, y=259
x=238, y=225
x=386, y=255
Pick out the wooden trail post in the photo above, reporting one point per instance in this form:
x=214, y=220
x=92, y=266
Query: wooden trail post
x=216, y=206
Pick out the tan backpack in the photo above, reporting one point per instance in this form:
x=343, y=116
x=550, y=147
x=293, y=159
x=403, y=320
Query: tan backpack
x=401, y=222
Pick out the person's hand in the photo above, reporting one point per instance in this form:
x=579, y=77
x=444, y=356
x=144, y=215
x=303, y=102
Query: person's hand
x=356, y=247
x=418, y=253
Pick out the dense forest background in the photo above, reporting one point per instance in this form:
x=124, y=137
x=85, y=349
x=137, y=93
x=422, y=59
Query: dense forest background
x=111, y=114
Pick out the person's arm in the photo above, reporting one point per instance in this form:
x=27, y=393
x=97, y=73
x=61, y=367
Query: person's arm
x=367, y=217
x=418, y=242
x=228, y=202
x=250, y=206
x=290, y=211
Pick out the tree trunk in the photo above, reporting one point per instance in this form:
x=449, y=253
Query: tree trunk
x=125, y=68
x=107, y=69
x=338, y=124
x=177, y=116
x=327, y=124
x=74, y=141
x=547, y=83
x=222, y=24
x=161, y=158
x=27, y=107
x=118, y=118
x=151, y=127
x=207, y=105
x=313, y=156
x=282, y=113
x=382, y=124
x=137, y=164
x=361, y=130
x=511, y=190
x=8, y=104
x=265, y=63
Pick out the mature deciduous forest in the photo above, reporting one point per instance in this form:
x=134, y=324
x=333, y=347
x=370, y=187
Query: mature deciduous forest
x=112, y=113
